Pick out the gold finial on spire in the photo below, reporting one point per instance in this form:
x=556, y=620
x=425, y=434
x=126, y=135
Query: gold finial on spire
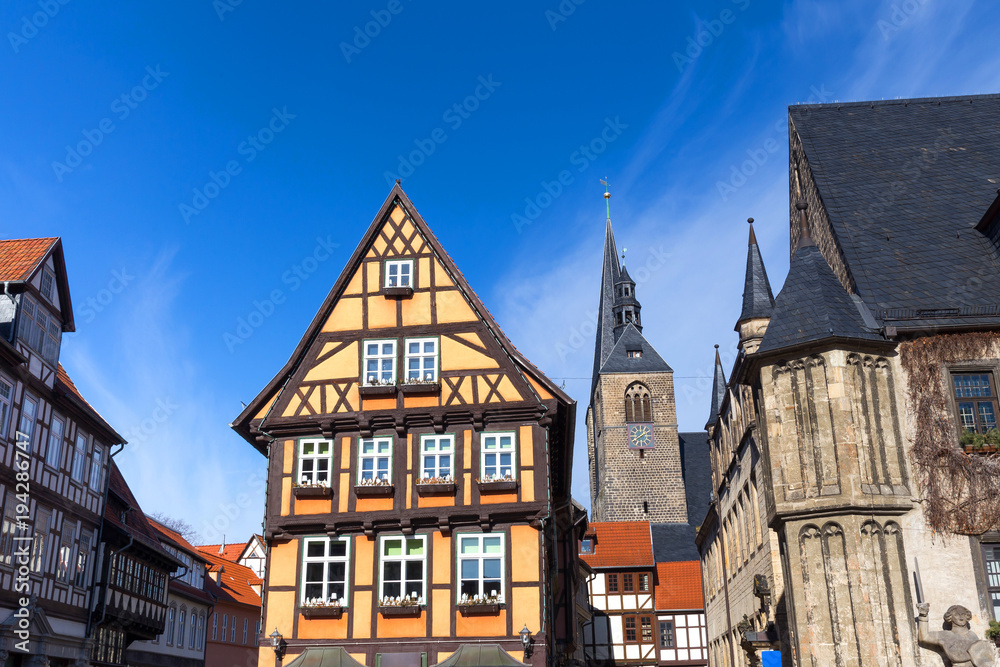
x=624, y=250
x=607, y=195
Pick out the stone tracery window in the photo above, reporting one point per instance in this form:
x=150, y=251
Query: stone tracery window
x=638, y=405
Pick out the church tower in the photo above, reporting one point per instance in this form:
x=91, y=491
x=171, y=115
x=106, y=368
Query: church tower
x=632, y=441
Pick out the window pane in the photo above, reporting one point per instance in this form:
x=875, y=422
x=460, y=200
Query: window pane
x=491, y=568
x=987, y=418
x=414, y=547
x=967, y=417
x=338, y=548
x=470, y=545
x=414, y=569
x=393, y=548
x=492, y=545
x=470, y=569
x=314, y=549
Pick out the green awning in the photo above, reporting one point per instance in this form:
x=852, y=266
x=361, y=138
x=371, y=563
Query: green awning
x=325, y=657
x=480, y=655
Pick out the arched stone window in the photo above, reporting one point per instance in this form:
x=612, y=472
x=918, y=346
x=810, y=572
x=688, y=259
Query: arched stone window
x=638, y=405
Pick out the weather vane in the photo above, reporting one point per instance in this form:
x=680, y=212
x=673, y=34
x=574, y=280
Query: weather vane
x=607, y=195
x=624, y=250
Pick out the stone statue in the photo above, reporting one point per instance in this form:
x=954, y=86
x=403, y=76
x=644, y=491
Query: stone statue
x=960, y=645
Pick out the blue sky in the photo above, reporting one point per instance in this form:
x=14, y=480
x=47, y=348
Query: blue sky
x=195, y=155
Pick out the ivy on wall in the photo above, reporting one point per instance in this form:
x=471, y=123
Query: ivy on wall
x=961, y=491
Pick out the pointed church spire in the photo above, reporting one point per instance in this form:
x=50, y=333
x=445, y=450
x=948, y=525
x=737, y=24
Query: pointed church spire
x=718, y=390
x=610, y=274
x=758, y=300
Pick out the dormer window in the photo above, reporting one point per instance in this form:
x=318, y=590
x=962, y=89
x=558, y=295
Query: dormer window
x=634, y=354
x=587, y=546
x=399, y=273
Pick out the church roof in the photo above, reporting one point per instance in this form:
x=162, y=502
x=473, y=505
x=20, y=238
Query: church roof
x=605, y=315
x=618, y=360
x=758, y=301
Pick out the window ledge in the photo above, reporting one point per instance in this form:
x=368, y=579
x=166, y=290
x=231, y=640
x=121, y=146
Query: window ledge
x=312, y=491
x=421, y=388
x=367, y=390
x=397, y=292
x=436, y=489
x=330, y=611
x=373, y=490
x=408, y=610
x=480, y=609
x=498, y=487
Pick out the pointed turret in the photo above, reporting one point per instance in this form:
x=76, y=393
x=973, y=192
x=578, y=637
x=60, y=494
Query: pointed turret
x=813, y=304
x=627, y=307
x=718, y=390
x=758, y=300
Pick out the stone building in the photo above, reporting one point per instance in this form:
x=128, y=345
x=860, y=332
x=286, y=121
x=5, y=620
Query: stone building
x=869, y=393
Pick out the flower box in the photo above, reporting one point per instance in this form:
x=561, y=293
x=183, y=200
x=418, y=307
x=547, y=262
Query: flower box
x=398, y=292
x=400, y=610
x=498, y=486
x=479, y=609
x=312, y=491
x=371, y=390
x=435, y=488
x=981, y=449
x=420, y=387
x=373, y=490
x=323, y=611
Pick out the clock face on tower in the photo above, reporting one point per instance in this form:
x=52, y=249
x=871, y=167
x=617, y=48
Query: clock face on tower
x=640, y=436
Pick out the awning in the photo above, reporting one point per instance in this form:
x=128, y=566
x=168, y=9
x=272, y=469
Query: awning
x=325, y=657
x=480, y=655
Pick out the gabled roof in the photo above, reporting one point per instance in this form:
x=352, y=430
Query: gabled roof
x=904, y=184
x=814, y=306
x=618, y=360
x=396, y=196
x=230, y=552
x=620, y=544
x=20, y=259
x=678, y=586
x=758, y=301
x=123, y=512
x=235, y=583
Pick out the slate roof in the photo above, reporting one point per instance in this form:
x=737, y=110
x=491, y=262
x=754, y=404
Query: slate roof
x=718, y=390
x=618, y=360
x=696, y=470
x=813, y=306
x=678, y=586
x=673, y=542
x=758, y=301
x=610, y=271
x=20, y=257
x=904, y=183
x=621, y=544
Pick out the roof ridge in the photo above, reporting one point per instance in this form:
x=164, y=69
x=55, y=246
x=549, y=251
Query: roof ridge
x=905, y=101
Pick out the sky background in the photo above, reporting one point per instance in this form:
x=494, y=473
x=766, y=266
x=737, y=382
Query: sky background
x=693, y=90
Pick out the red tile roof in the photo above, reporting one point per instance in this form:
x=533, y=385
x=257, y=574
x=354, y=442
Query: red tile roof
x=230, y=552
x=621, y=544
x=235, y=583
x=20, y=257
x=678, y=586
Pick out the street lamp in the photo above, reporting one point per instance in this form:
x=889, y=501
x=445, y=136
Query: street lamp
x=526, y=641
x=278, y=644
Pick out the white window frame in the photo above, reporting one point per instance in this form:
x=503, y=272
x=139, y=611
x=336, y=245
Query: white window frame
x=325, y=560
x=315, y=458
x=27, y=425
x=377, y=442
x=64, y=564
x=380, y=356
x=171, y=621
x=193, y=641
x=78, y=470
x=225, y=621
x=397, y=264
x=181, y=626
x=39, y=330
x=439, y=443
x=256, y=636
x=422, y=356
x=52, y=284
x=403, y=559
x=215, y=627
x=232, y=631
x=97, y=467
x=484, y=452
x=480, y=556
x=6, y=404
x=245, y=623
x=82, y=561
x=55, y=441
x=41, y=529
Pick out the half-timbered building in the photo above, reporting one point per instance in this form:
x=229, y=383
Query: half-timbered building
x=130, y=592
x=419, y=470
x=53, y=473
